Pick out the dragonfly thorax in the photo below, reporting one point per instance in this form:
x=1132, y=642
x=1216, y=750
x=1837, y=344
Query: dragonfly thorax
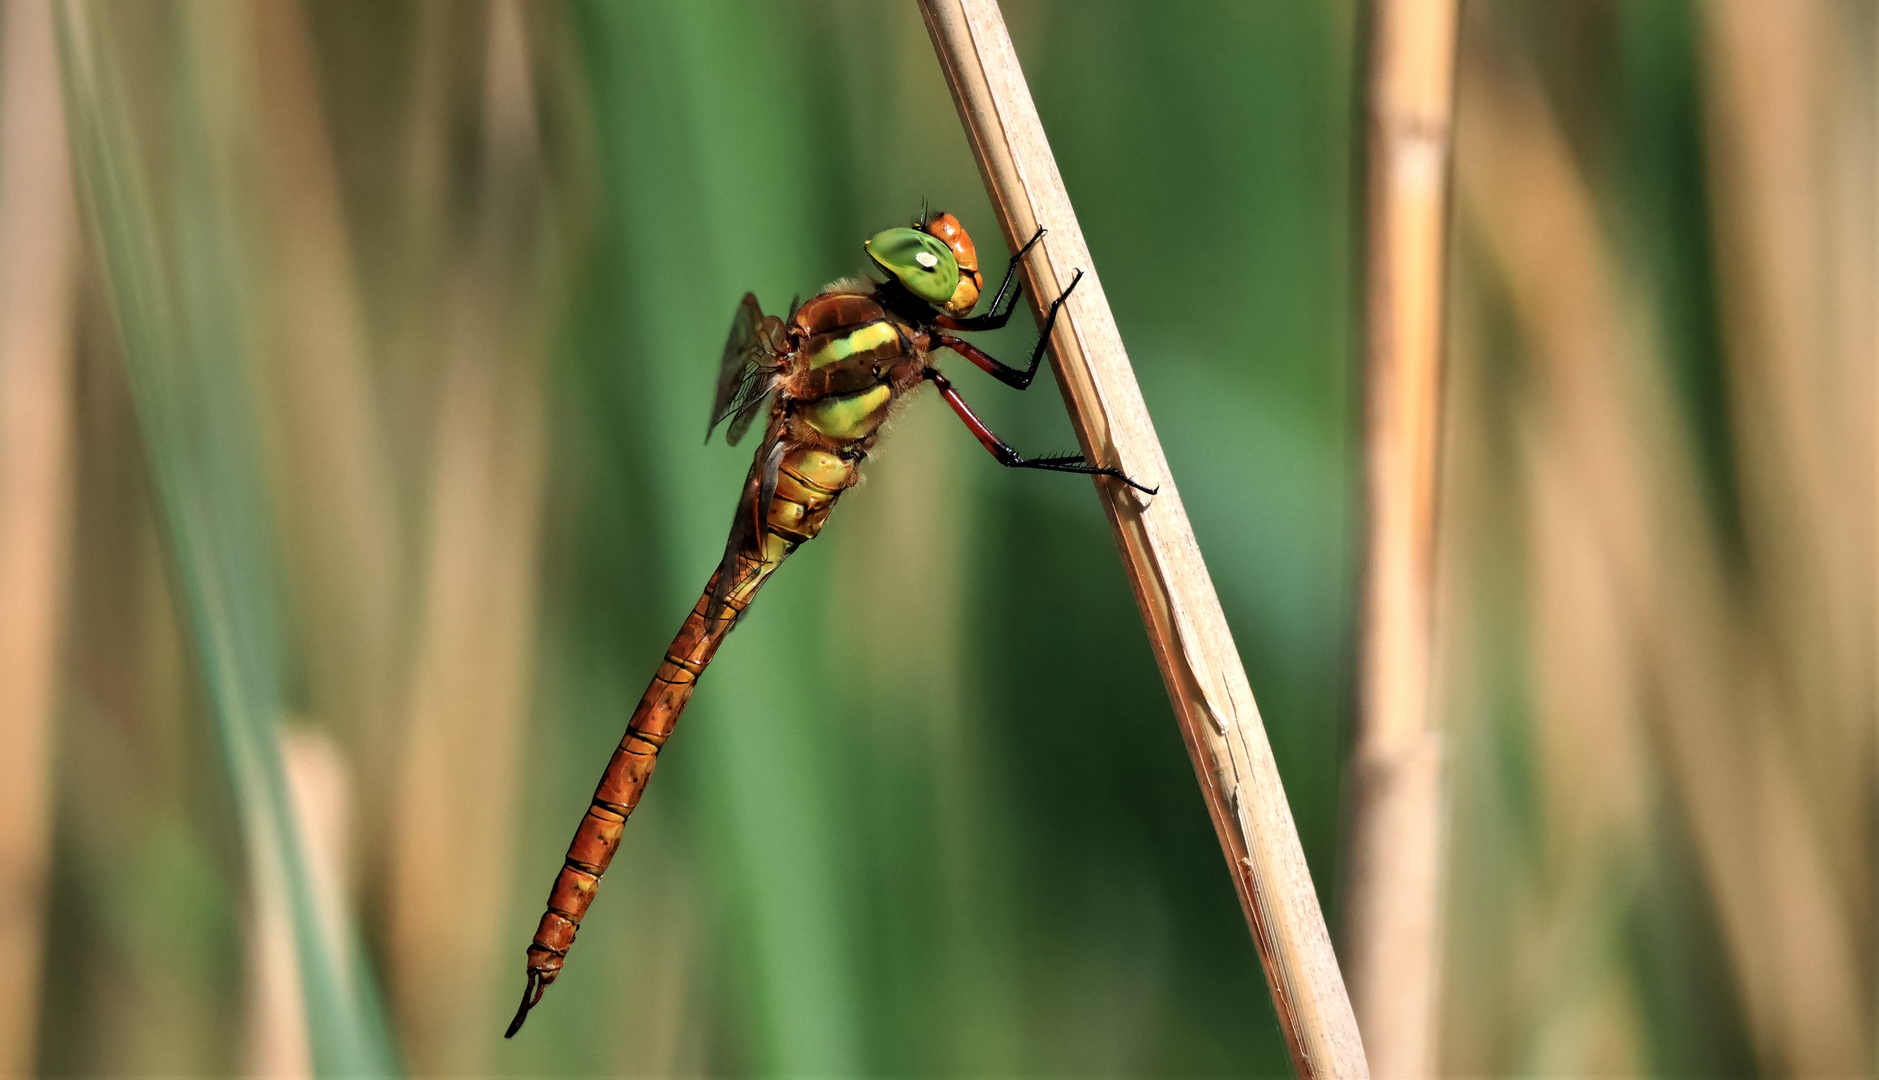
x=853, y=360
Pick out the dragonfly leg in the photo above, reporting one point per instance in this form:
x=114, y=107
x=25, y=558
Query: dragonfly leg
x=1013, y=377
x=994, y=319
x=1009, y=457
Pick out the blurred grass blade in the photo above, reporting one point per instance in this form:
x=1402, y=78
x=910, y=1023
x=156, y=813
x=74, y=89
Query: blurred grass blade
x=166, y=213
x=36, y=286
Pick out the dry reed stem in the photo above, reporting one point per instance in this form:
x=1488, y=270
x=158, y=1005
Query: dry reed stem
x=1199, y=663
x=37, y=226
x=1392, y=862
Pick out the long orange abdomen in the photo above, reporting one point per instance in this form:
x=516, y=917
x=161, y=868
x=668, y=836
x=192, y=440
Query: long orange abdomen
x=808, y=483
x=622, y=785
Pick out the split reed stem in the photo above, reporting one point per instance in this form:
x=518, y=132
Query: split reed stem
x=1207, y=684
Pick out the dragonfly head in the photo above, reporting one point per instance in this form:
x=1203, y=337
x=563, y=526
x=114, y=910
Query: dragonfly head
x=946, y=228
x=920, y=261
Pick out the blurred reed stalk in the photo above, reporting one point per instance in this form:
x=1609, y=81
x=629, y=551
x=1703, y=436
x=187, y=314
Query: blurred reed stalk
x=333, y=468
x=461, y=764
x=37, y=257
x=330, y=441
x=1393, y=855
x=1535, y=986
x=1180, y=611
x=1658, y=672
x=1792, y=148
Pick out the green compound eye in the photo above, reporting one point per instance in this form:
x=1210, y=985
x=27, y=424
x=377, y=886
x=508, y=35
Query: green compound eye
x=923, y=263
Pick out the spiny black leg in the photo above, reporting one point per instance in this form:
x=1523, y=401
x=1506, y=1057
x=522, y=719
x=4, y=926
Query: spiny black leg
x=1072, y=463
x=1011, y=275
x=994, y=319
x=1009, y=457
x=1000, y=370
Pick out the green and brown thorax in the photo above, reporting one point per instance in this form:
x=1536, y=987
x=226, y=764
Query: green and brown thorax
x=852, y=360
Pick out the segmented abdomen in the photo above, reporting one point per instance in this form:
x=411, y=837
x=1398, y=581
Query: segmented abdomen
x=809, y=481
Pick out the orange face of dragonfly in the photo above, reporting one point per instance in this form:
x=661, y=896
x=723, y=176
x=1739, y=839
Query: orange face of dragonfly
x=946, y=229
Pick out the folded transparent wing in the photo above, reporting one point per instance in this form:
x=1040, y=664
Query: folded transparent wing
x=747, y=372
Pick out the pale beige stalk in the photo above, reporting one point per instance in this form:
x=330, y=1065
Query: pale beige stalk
x=1207, y=684
x=37, y=223
x=319, y=792
x=1393, y=857
x=1791, y=154
x=461, y=763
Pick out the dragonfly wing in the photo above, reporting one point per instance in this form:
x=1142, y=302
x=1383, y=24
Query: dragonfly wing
x=753, y=509
x=766, y=481
x=750, y=402
x=727, y=567
x=746, y=372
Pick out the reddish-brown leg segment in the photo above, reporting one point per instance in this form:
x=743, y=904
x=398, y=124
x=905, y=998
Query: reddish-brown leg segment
x=1009, y=457
x=989, y=364
x=979, y=430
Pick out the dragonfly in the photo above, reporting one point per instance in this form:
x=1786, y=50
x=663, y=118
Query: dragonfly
x=831, y=374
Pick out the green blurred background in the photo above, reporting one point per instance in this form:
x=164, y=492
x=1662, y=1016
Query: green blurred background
x=385, y=343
